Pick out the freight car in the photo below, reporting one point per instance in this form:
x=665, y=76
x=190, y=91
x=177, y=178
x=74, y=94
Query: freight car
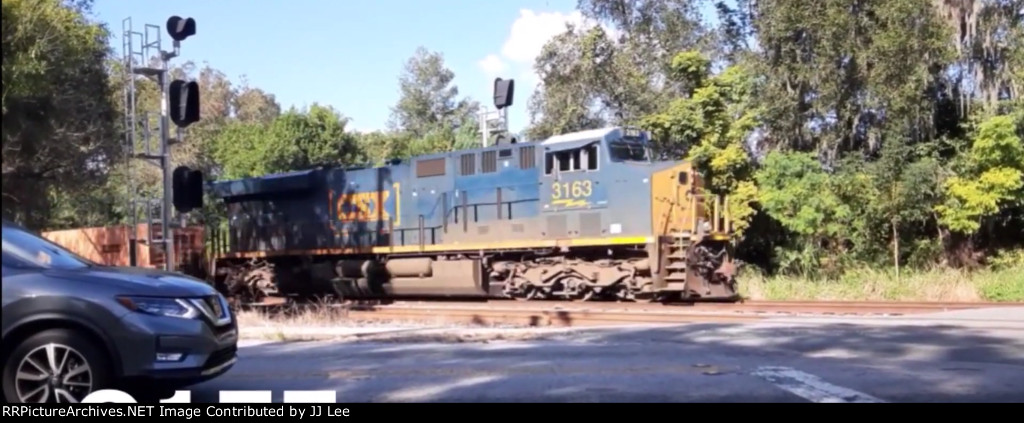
x=586, y=215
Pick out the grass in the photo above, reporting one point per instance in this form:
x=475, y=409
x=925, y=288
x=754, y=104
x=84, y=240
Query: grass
x=1002, y=284
x=283, y=324
x=317, y=315
x=324, y=321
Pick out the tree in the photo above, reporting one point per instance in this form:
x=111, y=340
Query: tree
x=295, y=140
x=835, y=81
x=711, y=126
x=617, y=72
x=989, y=179
x=59, y=119
x=428, y=99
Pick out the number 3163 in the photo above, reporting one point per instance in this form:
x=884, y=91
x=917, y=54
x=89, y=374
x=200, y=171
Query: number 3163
x=572, y=189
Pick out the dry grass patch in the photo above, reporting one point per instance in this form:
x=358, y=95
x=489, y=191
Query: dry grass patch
x=331, y=322
x=317, y=315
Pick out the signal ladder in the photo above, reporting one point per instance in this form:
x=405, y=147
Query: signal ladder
x=154, y=238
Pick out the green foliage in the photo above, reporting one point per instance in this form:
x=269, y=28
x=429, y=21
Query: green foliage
x=799, y=194
x=574, y=69
x=691, y=68
x=295, y=140
x=1004, y=284
x=991, y=178
x=428, y=104
x=58, y=118
x=1007, y=259
x=836, y=81
x=710, y=127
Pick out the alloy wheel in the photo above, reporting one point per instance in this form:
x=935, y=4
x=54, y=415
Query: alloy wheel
x=53, y=373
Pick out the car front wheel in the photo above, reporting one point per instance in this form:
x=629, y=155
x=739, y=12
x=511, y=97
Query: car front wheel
x=55, y=366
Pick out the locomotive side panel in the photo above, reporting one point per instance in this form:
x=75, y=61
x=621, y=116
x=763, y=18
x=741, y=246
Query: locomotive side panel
x=674, y=209
x=594, y=226
x=494, y=200
x=429, y=178
x=362, y=208
x=469, y=200
x=272, y=215
x=591, y=197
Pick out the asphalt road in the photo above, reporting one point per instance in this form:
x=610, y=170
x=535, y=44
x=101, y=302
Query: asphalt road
x=947, y=359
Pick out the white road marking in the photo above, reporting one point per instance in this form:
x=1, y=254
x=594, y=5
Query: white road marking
x=811, y=387
x=433, y=391
x=244, y=343
x=311, y=396
x=246, y=396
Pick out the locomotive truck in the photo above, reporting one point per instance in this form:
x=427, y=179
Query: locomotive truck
x=578, y=216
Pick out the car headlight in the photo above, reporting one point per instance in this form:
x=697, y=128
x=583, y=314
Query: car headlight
x=170, y=307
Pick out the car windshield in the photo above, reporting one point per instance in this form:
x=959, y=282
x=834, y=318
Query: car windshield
x=38, y=251
x=628, y=151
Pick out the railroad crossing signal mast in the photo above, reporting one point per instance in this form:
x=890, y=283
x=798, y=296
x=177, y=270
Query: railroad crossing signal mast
x=179, y=103
x=503, y=90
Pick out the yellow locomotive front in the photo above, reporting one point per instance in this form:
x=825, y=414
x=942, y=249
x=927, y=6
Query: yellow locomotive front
x=694, y=254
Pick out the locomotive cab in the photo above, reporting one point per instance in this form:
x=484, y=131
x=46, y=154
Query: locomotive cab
x=633, y=146
x=582, y=169
x=661, y=204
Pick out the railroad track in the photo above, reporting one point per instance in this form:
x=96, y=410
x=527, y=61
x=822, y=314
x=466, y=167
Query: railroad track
x=556, y=313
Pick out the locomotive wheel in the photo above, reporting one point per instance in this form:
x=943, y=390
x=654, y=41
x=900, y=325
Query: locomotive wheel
x=530, y=295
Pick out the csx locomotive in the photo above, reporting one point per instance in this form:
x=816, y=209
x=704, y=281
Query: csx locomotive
x=585, y=215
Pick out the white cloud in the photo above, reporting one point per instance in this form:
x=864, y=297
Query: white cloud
x=527, y=36
x=532, y=30
x=492, y=65
x=525, y=40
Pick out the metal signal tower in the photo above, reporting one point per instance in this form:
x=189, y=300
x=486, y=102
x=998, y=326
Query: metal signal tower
x=143, y=55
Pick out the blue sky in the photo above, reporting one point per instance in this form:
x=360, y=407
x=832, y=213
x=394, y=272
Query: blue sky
x=349, y=54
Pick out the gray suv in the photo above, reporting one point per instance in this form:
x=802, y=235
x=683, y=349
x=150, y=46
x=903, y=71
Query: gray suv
x=72, y=327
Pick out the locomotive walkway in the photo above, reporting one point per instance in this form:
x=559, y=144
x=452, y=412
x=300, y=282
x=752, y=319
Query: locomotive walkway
x=973, y=355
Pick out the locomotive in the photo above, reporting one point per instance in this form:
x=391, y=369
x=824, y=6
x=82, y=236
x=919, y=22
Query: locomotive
x=588, y=215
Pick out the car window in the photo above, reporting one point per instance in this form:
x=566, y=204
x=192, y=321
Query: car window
x=11, y=260
x=30, y=249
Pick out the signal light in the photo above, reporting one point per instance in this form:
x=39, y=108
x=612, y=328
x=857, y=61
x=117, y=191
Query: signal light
x=187, y=189
x=184, y=102
x=503, y=90
x=181, y=28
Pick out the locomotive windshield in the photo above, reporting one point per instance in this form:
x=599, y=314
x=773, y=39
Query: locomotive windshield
x=628, y=151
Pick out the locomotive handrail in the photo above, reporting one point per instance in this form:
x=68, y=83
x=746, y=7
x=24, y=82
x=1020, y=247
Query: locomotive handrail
x=227, y=240
x=720, y=219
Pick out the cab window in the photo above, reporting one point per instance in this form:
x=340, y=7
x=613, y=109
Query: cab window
x=585, y=158
x=21, y=248
x=620, y=151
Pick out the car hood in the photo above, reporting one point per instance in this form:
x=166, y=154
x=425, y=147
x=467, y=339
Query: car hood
x=140, y=281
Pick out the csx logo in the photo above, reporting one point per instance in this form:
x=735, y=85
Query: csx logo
x=362, y=206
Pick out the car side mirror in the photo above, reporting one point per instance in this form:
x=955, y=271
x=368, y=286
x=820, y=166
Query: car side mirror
x=683, y=178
